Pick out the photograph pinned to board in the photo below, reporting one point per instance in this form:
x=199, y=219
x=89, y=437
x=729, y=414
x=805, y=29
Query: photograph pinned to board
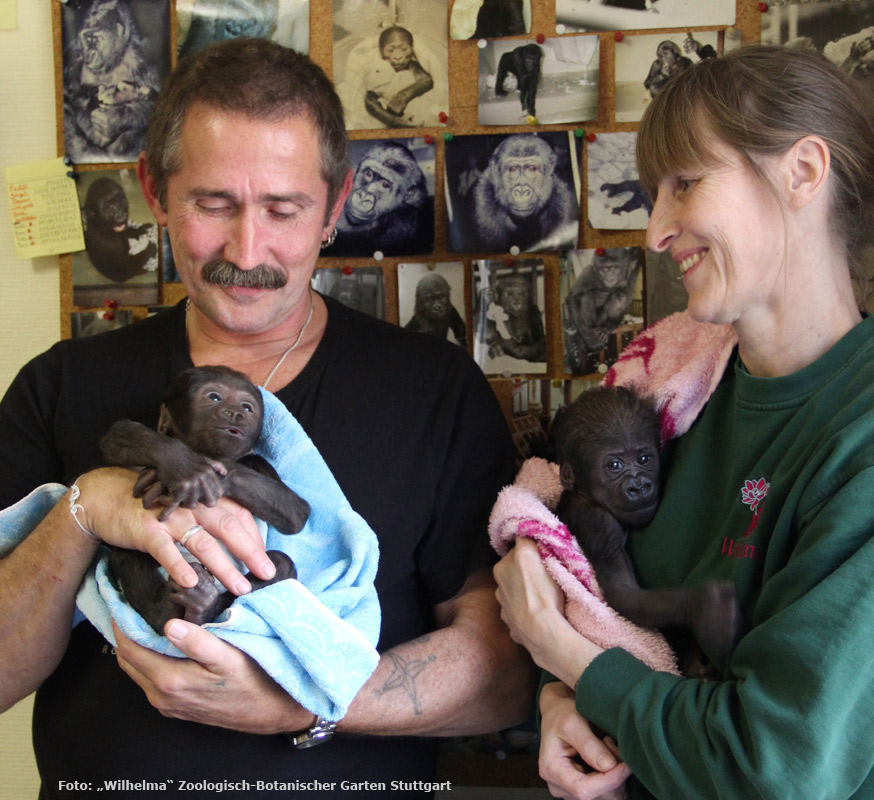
x=842, y=31
x=169, y=273
x=616, y=200
x=512, y=193
x=116, y=54
x=602, y=305
x=90, y=323
x=202, y=22
x=627, y=15
x=120, y=260
x=489, y=19
x=545, y=83
x=431, y=299
x=646, y=62
x=508, y=320
x=665, y=293
x=391, y=207
x=391, y=63
x=361, y=288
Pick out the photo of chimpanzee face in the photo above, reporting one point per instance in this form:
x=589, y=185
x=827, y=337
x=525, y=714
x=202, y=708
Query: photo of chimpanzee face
x=630, y=15
x=202, y=22
x=120, y=260
x=644, y=64
x=602, y=306
x=616, y=199
x=431, y=300
x=842, y=30
x=391, y=207
x=509, y=334
x=391, y=65
x=361, y=288
x=512, y=193
x=116, y=54
x=542, y=83
x=489, y=19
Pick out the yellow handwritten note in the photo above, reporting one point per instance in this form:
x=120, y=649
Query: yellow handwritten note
x=45, y=209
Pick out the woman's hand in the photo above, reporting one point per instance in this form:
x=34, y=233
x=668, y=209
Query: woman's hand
x=111, y=513
x=532, y=607
x=565, y=740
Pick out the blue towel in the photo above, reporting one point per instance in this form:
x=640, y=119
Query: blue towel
x=315, y=636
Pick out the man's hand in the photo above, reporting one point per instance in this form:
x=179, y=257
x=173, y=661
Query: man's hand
x=216, y=685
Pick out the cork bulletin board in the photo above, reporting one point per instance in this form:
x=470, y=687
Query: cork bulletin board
x=461, y=120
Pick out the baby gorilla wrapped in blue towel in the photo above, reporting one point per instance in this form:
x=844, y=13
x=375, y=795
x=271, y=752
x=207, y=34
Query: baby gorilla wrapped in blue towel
x=210, y=419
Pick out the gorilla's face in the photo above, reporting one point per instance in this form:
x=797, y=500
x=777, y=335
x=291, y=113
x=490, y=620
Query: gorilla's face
x=103, y=40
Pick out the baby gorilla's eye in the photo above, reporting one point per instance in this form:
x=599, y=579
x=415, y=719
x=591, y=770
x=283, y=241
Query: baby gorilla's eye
x=615, y=465
x=214, y=396
x=644, y=458
x=247, y=407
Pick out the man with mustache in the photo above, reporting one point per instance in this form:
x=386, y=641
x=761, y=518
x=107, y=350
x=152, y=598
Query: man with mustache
x=246, y=164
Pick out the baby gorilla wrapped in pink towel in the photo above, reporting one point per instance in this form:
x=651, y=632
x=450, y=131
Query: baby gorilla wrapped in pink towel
x=677, y=361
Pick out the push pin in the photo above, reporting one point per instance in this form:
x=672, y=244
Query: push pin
x=560, y=28
x=763, y=7
x=429, y=139
x=599, y=251
x=618, y=36
x=514, y=250
x=590, y=137
x=347, y=270
x=377, y=255
x=532, y=120
x=443, y=117
x=508, y=262
x=579, y=133
x=540, y=38
x=110, y=303
x=108, y=315
x=447, y=136
x=482, y=44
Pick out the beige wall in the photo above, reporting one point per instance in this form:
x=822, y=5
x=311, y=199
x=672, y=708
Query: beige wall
x=28, y=289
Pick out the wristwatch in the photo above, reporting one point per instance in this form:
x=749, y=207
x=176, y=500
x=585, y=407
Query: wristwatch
x=321, y=732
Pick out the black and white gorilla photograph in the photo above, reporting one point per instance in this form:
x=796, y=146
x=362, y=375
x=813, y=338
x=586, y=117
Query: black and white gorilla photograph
x=391, y=207
x=202, y=22
x=645, y=63
x=842, y=31
x=616, y=200
x=602, y=305
x=630, y=15
x=511, y=193
x=116, y=54
x=489, y=19
x=543, y=83
x=120, y=260
x=665, y=293
x=391, y=62
x=431, y=299
x=361, y=288
x=509, y=334
x=90, y=323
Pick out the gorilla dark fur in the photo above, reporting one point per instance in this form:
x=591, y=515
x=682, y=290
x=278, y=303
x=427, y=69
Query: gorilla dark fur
x=607, y=446
x=434, y=312
x=108, y=233
x=520, y=200
x=210, y=419
x=524, y=63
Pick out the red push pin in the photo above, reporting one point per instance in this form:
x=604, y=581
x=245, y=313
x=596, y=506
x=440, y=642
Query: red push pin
x=508, y=262
x=618, y=36
x=599, y=251
x=590, y=137
x=763, y=7
x=347, y=270
x=110, y=303
x=443, y=117
x=540, y=38
x=108, y=315
x=429, y=139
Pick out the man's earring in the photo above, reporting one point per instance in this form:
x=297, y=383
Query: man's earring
x=332, y=237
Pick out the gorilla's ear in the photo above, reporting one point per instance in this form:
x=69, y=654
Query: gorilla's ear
x=566, y=473
x=165, y=421
x=414, y=196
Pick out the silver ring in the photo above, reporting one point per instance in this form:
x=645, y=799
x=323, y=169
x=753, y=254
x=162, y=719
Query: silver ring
x=189, y=533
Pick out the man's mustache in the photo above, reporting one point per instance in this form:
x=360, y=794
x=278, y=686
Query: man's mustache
x=226, y=274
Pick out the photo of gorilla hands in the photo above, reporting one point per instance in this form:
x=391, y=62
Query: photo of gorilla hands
x=607, y=445
x=110, y=82
x=390, y=208
x=209, y=421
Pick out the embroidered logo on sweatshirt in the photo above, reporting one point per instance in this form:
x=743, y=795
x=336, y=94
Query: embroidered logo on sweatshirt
x=753, y=494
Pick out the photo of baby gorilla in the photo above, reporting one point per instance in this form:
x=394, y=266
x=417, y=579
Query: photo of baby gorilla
x=426, y=300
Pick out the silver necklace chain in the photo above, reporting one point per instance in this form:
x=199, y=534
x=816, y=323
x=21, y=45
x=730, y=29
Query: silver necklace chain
x=286, y=353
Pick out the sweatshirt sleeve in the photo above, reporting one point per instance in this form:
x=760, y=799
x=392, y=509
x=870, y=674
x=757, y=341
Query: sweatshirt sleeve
x=792, y=715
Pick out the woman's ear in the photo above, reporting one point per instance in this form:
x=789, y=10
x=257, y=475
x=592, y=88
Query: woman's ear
x=808, y=162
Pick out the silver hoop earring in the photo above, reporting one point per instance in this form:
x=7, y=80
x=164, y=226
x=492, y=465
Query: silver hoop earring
x=332, y=237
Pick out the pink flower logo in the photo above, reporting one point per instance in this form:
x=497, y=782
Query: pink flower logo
x=753, y=494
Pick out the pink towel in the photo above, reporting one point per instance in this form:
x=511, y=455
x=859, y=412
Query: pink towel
x=523, y=509
x=679, y=362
